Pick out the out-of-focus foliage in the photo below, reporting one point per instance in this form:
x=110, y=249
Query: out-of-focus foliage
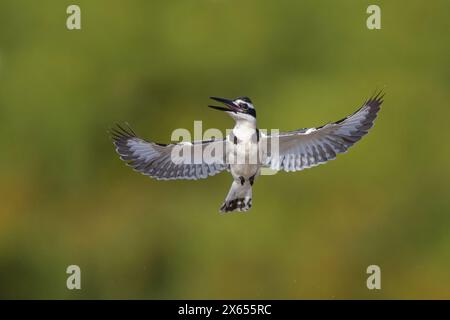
x=68, y=199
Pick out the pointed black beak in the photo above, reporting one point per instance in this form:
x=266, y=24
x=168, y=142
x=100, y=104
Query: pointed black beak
x=231, y=106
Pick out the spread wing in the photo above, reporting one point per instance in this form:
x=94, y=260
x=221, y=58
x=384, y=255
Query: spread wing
x=306, y=148
x=185, y=160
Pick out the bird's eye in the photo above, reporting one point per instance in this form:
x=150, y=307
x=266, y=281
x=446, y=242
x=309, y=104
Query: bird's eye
x=243, y=106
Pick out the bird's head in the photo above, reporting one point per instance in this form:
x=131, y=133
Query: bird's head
x=239, y=109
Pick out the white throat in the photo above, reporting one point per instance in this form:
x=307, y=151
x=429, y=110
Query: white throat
x=243, y=124
x=244, y=129
x=243, y=120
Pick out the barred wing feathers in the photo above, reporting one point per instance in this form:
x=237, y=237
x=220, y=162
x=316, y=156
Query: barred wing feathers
x=306, y=148
x=155, y=160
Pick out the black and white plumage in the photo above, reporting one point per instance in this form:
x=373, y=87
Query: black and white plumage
x=297, y=150
x=155, y=159
x=305, y=148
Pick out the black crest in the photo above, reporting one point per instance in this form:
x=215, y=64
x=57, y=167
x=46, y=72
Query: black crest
x=246, y=99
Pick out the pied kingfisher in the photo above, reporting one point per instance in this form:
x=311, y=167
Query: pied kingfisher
x=296, y=150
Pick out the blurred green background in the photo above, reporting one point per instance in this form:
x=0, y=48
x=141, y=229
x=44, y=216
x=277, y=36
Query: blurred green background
x=68, y=199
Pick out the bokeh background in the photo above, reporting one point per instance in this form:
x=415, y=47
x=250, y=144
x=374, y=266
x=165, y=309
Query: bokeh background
x=67, y=199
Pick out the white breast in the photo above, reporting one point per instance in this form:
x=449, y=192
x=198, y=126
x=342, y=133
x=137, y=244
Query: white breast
x=244, y=155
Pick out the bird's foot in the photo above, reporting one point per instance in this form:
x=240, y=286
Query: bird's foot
x=238, y=204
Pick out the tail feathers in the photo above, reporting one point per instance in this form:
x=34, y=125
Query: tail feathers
x=239, y=198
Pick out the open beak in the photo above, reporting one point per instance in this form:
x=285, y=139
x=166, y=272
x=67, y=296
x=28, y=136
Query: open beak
x=230, y=105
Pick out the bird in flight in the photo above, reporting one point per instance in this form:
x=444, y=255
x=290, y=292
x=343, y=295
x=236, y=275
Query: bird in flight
x=245, y=150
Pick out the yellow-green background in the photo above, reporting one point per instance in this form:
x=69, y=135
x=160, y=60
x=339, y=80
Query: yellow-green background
x=66, y=198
